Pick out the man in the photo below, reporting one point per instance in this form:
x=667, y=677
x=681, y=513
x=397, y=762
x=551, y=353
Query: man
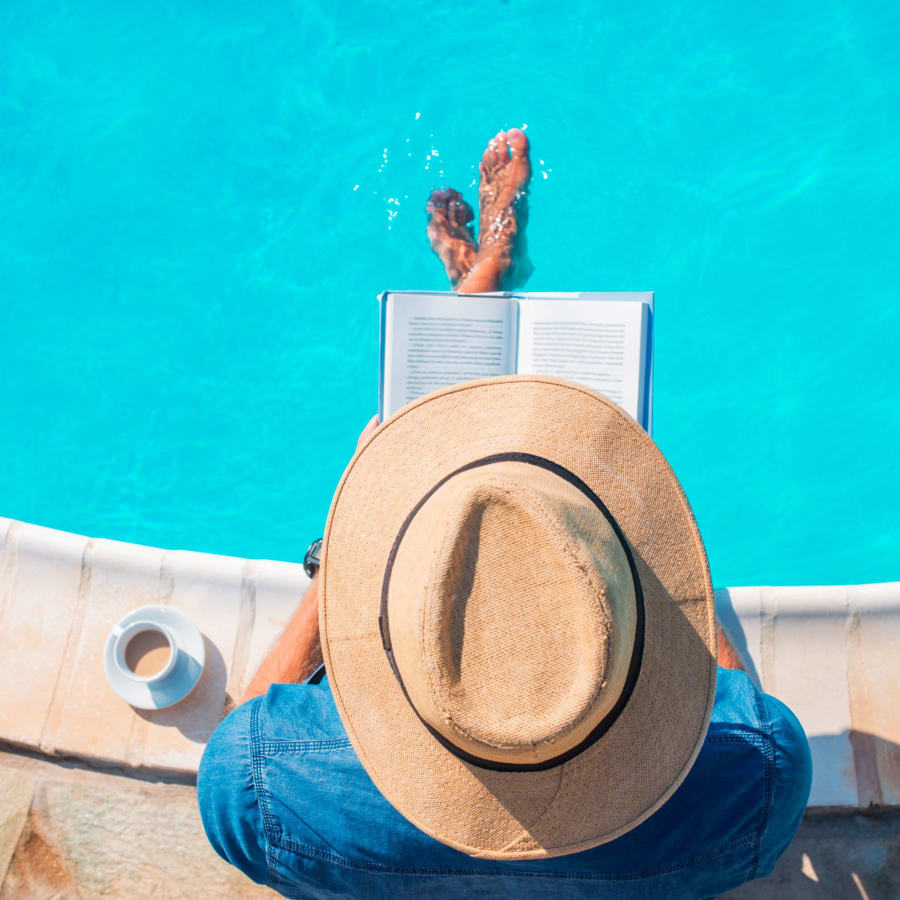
x=519, y=635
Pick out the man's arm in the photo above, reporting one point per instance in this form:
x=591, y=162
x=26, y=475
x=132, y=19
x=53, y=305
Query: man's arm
x=298, y=652
x=728, y=656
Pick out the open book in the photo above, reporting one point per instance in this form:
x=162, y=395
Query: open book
x=433, y=339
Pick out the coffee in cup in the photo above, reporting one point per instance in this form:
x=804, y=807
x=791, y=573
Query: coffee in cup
x=145, y=651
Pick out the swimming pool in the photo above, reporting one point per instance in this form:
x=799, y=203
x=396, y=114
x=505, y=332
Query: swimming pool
x=201, y=204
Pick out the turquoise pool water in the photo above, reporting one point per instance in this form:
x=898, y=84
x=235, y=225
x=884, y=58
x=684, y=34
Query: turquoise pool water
x=201, y=202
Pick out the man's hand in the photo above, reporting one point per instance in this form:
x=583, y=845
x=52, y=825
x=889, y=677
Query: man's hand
x=370, y=427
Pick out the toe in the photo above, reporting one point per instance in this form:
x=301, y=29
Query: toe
x=501, y=154
x=518, y=143
x=449, y=202
x=495, y=154
x=460, y=212
x=438, y=201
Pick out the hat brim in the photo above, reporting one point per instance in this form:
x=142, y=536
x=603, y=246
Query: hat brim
x=639, y=762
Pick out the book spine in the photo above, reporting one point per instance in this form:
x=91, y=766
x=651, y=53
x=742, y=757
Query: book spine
x=648, y=370
x=382, y=332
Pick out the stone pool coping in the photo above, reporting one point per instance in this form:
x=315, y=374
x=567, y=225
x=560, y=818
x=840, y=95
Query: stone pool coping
x=828, y=652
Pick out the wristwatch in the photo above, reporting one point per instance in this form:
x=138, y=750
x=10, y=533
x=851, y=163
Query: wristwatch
x=311, y=559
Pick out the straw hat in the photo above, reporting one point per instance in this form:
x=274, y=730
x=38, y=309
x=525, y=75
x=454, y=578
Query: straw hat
x=517, y=617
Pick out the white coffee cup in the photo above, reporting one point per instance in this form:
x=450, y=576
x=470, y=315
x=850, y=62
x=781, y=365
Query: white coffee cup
x=122, y=637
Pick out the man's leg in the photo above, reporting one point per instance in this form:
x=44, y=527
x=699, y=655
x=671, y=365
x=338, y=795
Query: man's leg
x=505, y=170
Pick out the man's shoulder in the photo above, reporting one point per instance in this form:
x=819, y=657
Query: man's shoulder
x=744, y=714
x=768, y=732
x=300, y=713
x=740, y=705
x=788, y=771
x=276, y=765
x=743, y=711
x=728, y=798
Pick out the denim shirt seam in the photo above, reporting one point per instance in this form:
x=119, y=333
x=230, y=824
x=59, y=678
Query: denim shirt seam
x=256, y=766
x=320, y=746
x=768, y=750
x=285, y=843
x=738, y=735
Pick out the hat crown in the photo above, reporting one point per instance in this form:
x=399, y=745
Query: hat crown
x=512, y=613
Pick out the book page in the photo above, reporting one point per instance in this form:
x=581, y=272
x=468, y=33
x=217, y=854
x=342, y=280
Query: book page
x=435, y=341
x=600, y=344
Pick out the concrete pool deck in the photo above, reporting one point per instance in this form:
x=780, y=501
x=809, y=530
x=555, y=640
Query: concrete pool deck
x=77, y=760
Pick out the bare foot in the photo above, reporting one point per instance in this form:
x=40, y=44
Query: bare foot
x=505, y=170
x=450, y=233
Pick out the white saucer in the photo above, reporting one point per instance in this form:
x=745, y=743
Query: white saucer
x=191, y=657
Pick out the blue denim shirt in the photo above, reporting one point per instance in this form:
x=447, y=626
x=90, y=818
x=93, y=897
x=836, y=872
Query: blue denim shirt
x=284, y=798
